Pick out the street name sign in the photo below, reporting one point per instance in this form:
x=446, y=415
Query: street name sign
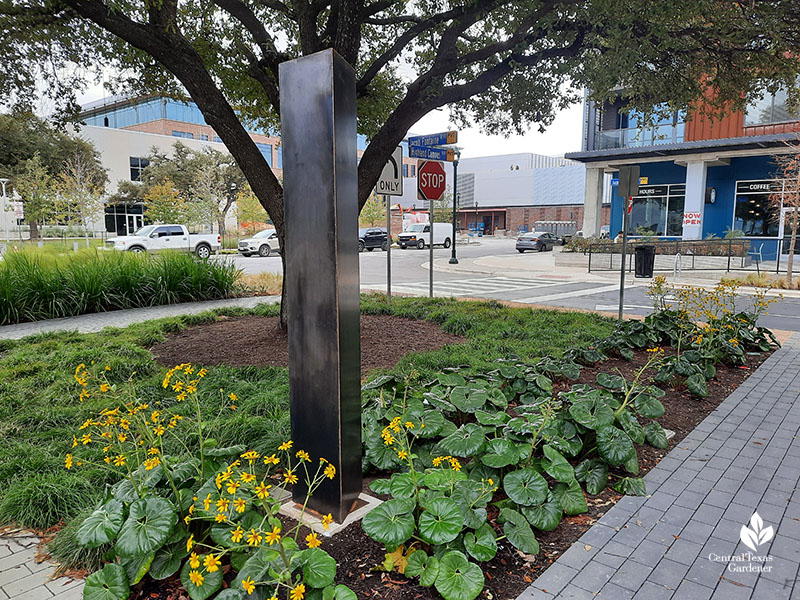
x=431, y=153
x=431, y=180
x=444, y=138
x=391, y=180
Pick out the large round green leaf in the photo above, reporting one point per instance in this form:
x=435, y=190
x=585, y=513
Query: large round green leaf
x=167, y=560
x=630, y=425
x=338, y=592
x=499, y=453
x=390, y=523
x=649, y=406
x=466, y=441
x=655, y=435
x=556, y=465
x=594, y=473
x=451, y=379
x=467, y=400
x=441, y=522
x=458, y=579
x=611, y=382
x=148, y=526
x=210, y=585
x=111, y=583
x=424, y=566
x=570, y=497
x=481, y=545
x=544, y=517
x=401, y=485
x=319, y=568
x=518, y=531
x=102, y=525
x=257, y=568
x=633, y=486
x=614, y=445
x=137, y=567
x=525, y=487
x=495, y=418
x=592, y=413
x=428, y=425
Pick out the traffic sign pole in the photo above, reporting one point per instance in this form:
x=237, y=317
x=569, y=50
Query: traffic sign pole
x=430, y=263
x=453, y=259
x=388, y=250
x=625, y=221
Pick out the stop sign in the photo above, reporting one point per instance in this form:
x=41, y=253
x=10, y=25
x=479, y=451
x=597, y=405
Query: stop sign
x=431, y=180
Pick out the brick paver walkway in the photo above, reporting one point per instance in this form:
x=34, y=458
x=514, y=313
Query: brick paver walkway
x=743, y=457
x=120, y=318
x=22, y=578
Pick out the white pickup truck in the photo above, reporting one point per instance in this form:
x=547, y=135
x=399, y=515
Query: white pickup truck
x=154, y=238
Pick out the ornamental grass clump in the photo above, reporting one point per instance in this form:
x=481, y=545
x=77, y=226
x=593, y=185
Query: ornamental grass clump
x=201, y=514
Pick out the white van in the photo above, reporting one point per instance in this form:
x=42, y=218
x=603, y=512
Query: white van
x=419, y=235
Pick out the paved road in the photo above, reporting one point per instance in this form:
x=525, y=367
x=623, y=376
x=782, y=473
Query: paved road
x=492, y=269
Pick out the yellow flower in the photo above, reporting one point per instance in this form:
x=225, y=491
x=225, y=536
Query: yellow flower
x=186, y=519
x=74, y=441
x=236, y=534
x=490, y=481
x=188, y=370
x=190, y=543
x=207, y=502
x=290, y=477
x=154, y=417
x=249, y=586
x=125, y=424
x=151, y=463
x=159, y=431
x=232, y=487
x=327, y=520
x=286, y=445
x=181, y=397
x=273, y=536
x=250, y=455
x=107, y=460
x=194, y=560
x=254, y=538
x=211, y=563
x=240, y=505
x=313, y=540
x=455, y=465
x=303, y=455
x=262, y=491
x=153, y=451
x=104, y=387
x=298, y=593
x=388, y=440
x=330, y=471
x=122, y=438
x=220, y=517
x=233, y=397
x=196, y=578
x=119, y=460
x=223, y=504
x=202, y=373
x=68, y=461
x=86, y=439
x=409, y=425
x=402, y=455
x=247, y=477
x=271, y=460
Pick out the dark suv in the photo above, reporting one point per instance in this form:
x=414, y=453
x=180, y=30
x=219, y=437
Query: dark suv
x=370, y=238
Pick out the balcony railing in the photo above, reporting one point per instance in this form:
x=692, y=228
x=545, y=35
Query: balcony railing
x=636, y=137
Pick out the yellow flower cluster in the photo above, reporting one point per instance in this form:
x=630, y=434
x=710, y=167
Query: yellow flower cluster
x=454, y=463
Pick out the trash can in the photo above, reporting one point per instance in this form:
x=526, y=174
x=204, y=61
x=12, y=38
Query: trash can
x=645, y=260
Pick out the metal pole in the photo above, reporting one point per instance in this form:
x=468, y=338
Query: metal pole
x=624, y=248
x=5, y=206
x=453, y=259
x=388, y=250
x=430, y=264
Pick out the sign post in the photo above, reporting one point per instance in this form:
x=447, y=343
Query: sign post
x=318, y=127
x=453, y=259
x=391, y=184
x=628, y=188
x=431, y=182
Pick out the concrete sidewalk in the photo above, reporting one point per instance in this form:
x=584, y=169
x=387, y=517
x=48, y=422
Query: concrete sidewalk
x=121, y=318
x=683, y=541
x=22, y=578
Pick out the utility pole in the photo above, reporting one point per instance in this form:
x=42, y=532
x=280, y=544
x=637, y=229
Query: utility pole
x=453, y=259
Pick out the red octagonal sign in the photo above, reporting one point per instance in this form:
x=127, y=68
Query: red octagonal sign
x=431, y=180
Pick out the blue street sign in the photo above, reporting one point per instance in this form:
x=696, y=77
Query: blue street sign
x=615, y=181
x=435, y=139
x=428, y=153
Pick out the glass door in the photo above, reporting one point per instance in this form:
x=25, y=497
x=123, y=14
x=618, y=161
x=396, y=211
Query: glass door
x=786, y=222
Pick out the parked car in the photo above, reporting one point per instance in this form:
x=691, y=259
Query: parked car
x=155, y=238
x=419, y=234
x=537, y=240
x=370, y=238
x=263, y=243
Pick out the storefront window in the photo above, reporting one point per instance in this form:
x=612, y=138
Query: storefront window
x=658, y=210
x=754, y=215
x=770, y=108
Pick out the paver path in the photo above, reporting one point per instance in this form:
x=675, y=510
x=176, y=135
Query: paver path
x=121, y=318
x=22, y=578
x=744, y=457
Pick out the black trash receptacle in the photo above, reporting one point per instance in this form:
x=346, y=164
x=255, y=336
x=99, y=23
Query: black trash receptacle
x=645, y=261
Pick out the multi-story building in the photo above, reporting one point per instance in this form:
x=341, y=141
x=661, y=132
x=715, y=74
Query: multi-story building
x=701, y=177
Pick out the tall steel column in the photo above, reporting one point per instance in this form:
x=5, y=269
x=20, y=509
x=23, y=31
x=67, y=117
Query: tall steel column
x=318, y=128
x=453, y=259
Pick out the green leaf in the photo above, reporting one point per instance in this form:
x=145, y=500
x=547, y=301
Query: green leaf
x=441, y=522
x=380, y=486
x=632, y=464
x=338, y=592
x=499, y=453
x=570, y=497
x=451, y=379
x=649, y=406
x=467, y=441
x=378, y=382
x=633, y=486
x=424, y=566
x=137, y=567
x=111, y=583
x=655, y=435
x=630, y=425
x=390, y=523
x=458, y=579
x=518, y=531
x=492, y=418
x=697, y=385
x=592, y=413
x=148, y=526
x=467, y=400
x=229, y=451
x=614, y=445
x=257, y=568
x=212, y=582
x=556, y=465
x=401, y=485
x=428, y=425
x=626, y=353
x=545, y=517
x=594, y=473
x=231, y=594
x=319, y=567
x=382, y=456
x=102, y=525
x=167, y=560
x=525, y=487
x=610, y=382
x=482, y=544
x=443, y=479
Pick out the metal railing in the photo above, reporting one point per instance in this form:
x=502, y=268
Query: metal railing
x=699, y=255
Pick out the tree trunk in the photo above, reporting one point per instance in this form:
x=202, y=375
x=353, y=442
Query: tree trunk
x=34, y=229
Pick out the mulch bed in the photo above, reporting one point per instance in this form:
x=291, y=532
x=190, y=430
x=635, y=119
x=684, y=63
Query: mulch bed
x=510, y=572
x=259, y=342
